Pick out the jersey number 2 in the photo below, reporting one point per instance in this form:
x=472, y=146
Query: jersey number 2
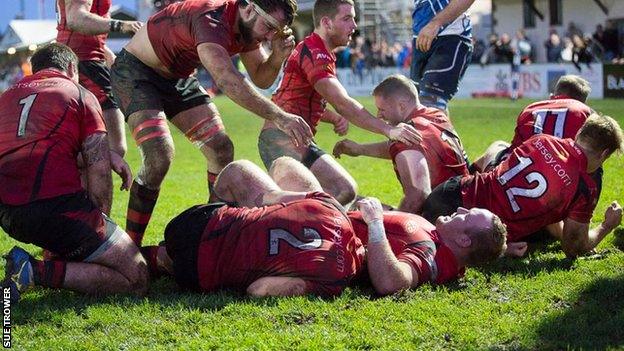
x=532, y=177
x=26, y=103
x=275, y=235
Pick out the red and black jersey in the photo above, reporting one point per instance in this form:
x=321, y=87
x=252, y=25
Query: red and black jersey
x=87, y=47
x=544, y=181
x=560, y=116
x=440, y=146
x=177, y=30
x=310, y=239
x=309, y=62
x=415, y=241
x=44, y=120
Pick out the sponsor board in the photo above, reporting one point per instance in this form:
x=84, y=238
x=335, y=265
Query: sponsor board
x=613, y=81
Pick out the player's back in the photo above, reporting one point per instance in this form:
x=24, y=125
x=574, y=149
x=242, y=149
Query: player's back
x=560, y=116
x=307, y=64
x=41, y=131
x=309, y=239
x=86, y=46
x=543, y=181
x=440, y=146
x=415, y=241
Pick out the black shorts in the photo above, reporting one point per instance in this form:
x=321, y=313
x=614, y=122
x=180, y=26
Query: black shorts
x=182, y=238
x=439, y=70
x=274, y=143
x=70, y=226
x=95, y=76
x=138, y=87
x=443, y=200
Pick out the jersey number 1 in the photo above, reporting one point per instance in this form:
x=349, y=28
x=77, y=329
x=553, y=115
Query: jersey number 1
x=512, y=192
x=310, y=234
x=560, y=119
x=26, y=103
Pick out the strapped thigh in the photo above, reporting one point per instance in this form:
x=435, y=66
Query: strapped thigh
x=203, y=131
x=150, y=129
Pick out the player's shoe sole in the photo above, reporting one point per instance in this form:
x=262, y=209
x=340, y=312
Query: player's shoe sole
x=18, y=272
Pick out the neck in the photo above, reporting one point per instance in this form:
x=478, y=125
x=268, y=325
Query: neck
x=593, y=161
x=325, y=37
x=457, y=251
x=412, y=109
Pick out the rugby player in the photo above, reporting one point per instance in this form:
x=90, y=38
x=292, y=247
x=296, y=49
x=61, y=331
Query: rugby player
x=413, y=252
x=562, y=116
x=295, y=244
x=309, y=83
x=545, y=182
x=420, y=167
x=441, y=49
x=153, y=81
x=83, y=25
x=46, y=121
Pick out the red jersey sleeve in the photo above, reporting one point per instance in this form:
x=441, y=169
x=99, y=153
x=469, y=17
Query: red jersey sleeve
x=585, y=202
x=92, y=120
x=420, y=255
x=321, y=66
x=396, y=147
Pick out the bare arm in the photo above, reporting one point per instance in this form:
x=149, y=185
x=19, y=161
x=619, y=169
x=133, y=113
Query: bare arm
x=415, y=180
x=577, y=239
x=351, y=148
x=341, y=124
x=80, y=19
x=217, y=61
x=448, y=15
x=351, y=109
x=387, y=273
x=263, y=68
x=96, y=156
x=277, y=286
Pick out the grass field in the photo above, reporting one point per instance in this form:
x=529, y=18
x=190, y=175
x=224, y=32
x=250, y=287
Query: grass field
x=544, y=301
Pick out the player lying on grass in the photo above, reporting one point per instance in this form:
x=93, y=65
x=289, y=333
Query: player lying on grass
x=309, y=83
x=404, y=250
x=294, y=244
x=545, y=182
x=562, y=116
x=420, y=167
x=46, y=120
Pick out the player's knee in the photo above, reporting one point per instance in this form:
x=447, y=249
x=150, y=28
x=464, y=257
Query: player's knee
x=281, y=165
x=157, y=159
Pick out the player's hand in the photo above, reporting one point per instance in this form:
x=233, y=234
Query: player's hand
x=371, y=209
x=516, y=249
x=119, y=166
x=131, y=27
x=426, y=35
x=405, y=133
x=613, y=215
x=345, y=147
x=296, y=127
x=282, y=44
x=341, y=126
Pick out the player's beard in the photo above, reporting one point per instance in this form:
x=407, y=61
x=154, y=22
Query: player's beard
x=246, y=31
x=339, y=40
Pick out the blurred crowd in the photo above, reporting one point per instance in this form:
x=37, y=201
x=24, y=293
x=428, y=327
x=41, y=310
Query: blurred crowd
x=365, y=53
x=604, y=45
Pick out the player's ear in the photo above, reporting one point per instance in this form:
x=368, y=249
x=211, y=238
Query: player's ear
x=72, y=71
x=326, y=22
x=463, y=240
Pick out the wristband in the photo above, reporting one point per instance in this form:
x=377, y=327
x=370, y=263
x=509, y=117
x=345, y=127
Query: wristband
x=115, y=25
x=376, y=231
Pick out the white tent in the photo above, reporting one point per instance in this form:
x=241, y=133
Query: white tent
x=20, y=34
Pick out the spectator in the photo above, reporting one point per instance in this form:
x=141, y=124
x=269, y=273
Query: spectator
x=524, y=47
x=568, y=48
x=489, y=56
x=478, y=49
x=573, y=30
x=610, y=41
x=580, y=53
x=504, y=51
x=553, y=48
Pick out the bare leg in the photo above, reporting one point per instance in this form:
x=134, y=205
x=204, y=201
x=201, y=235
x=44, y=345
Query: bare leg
x=292, y=175
x=334, y=179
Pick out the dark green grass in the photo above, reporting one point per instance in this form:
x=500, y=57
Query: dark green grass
x=544, y=301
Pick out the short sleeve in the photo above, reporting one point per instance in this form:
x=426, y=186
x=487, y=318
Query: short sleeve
x=92, y=120
x=420, y=256
x=585, y=202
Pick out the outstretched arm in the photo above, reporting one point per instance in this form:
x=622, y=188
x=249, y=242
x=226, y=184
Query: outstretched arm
x=387, y=273
x=217, y=61
x=351, y=109
x=352, y=148
x=415, y=180
x=278, y=286
x=577, y=239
